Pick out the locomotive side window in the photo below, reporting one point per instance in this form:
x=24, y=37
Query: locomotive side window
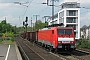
x=52, y=31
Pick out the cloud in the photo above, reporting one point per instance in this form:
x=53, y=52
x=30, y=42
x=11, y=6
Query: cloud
x=4, y=5
x=12, y=11
x=2, y=18
x=85, y=19
x=11, y=1
x=84, y=1
x=12, y=20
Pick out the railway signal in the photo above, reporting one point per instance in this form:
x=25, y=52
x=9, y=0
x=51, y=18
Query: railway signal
x=26, y=19
x=25, y=23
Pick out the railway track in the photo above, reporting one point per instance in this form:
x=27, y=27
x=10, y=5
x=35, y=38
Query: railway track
x=84, y=50
x=27, y=53
x=33, y=52
x=81, y=54
x=75, y=55
x=78, y=54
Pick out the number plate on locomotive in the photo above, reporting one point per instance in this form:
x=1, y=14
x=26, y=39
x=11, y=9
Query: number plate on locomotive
x=65, y=41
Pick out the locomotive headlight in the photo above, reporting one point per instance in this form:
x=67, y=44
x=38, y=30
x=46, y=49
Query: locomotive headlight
x=71, y=42
x=59, y=42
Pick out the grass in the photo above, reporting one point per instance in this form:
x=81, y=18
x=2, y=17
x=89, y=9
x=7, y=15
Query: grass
x=10, y=42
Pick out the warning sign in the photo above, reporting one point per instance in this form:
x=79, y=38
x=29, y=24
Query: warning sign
x=3, y=36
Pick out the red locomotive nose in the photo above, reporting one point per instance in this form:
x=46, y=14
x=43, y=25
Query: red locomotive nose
x=63, y=36
x=60, y=36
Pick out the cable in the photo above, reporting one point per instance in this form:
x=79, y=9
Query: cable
x=30, y=2
x=27, y=8
x=85, y=7
x=43, y=10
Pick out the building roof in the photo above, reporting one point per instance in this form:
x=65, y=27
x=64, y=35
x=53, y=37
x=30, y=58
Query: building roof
x=68, y=2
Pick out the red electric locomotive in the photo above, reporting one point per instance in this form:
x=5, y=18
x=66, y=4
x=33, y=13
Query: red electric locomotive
x=57, y=38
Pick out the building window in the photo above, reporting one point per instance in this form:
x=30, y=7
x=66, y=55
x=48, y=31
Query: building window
x=74, y=26
x=55, y=21
x=71, y=20
x=71, y=5
x=61, y=20
x=72, y=12
x=61, y=14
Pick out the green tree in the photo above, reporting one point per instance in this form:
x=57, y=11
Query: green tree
x=39, y=25
x=5, y=27
x=3, y=22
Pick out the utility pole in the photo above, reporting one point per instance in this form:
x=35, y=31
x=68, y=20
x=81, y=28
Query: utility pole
x=36, y=17
x=46, y=18
x=31, y=24
x=5, y=18
x=52, y=9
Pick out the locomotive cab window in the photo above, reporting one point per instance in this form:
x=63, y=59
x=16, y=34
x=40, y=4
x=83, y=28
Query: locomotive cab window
x=68, y=32
x=60, y=31
x=63, y=31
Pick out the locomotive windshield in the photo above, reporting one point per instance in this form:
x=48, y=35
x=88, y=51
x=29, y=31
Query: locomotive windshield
x=65, y=31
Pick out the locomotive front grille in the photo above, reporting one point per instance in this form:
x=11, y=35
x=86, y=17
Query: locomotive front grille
x=65, y=46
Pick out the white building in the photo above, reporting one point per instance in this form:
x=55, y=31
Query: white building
x=85, y=32
x=69, y=15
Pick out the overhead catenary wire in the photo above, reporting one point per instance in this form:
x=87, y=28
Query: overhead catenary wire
x=86, y=9
x=43, y=10
x=27, y=8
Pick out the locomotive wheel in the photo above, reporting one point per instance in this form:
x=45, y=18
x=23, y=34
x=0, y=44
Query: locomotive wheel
x=45, y=46
x=51, y=49
x=56, y=50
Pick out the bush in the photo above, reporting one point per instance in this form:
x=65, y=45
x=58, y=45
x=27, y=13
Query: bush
x=7, y=42
x=10, y=35
x=0, y=40
x=0, y=34
x=15, y=35
x=83, y=43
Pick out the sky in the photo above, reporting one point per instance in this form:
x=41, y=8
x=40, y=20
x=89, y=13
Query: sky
x=15, y=13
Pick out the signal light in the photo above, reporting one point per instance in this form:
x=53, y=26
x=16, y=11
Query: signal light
x=23, y=23
x=26, y=19
x=26, y=24
x=59, y=42
x=71, y=42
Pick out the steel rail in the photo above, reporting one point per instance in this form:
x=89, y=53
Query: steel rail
x=25, y=55
x=34, y=51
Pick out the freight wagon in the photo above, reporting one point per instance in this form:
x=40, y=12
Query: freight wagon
x=31, y=36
